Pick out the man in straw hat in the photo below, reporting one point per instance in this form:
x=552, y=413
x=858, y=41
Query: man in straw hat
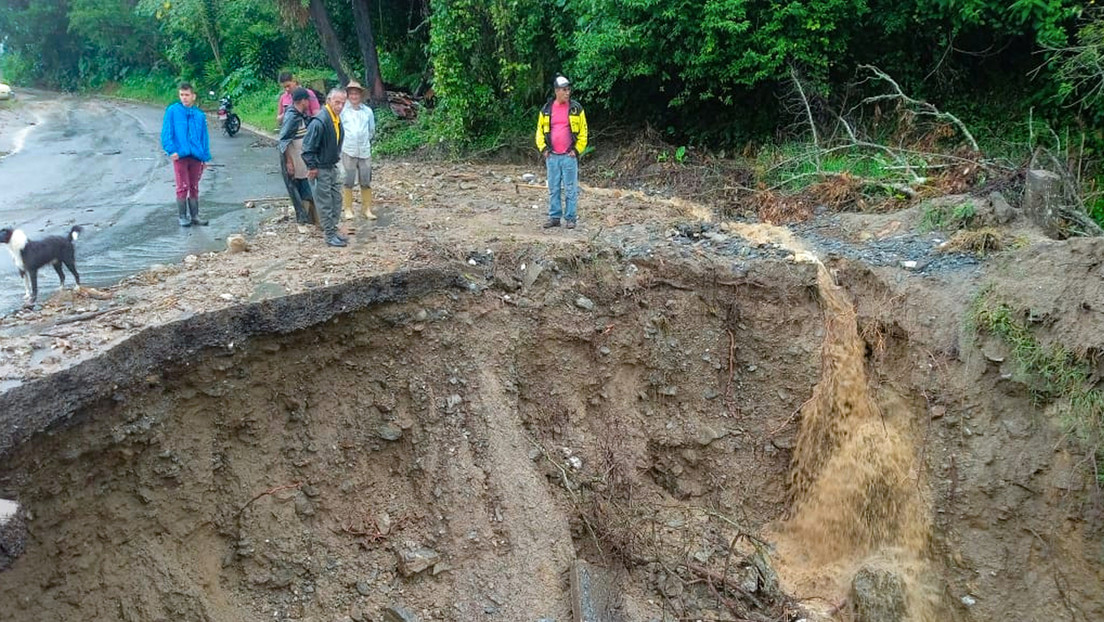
x=356, y=153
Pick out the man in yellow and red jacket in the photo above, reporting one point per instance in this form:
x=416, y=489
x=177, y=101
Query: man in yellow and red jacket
x=561, y=137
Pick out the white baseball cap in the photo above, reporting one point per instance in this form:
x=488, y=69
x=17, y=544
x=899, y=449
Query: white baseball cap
x=561, y=82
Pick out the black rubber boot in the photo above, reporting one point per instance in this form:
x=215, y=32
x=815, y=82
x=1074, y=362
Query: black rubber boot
x=182, y=213
x=193, y=208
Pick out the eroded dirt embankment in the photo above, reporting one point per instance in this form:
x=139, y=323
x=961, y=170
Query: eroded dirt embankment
x=286, y=477
x=447, y=414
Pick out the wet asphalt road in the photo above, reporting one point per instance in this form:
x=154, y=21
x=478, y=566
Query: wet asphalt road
x=99, y=164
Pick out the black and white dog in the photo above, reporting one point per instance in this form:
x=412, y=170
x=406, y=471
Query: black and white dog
x=30, y=255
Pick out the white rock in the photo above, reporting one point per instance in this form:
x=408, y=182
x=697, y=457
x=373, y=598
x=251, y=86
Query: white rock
x=908, y=265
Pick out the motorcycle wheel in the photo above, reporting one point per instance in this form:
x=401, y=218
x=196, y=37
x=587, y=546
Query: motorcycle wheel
x=233, y=124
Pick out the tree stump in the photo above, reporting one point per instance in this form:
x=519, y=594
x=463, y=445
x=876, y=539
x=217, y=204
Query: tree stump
x=1044, y=201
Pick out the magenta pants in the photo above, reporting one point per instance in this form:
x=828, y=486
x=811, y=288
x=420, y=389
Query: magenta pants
x=188, y=171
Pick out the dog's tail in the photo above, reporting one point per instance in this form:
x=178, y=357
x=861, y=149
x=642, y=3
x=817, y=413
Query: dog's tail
x=74, y=232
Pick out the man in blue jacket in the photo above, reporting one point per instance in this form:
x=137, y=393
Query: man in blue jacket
x=184, y=138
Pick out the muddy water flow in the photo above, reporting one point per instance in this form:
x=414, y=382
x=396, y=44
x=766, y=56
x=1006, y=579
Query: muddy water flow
x=859, y=502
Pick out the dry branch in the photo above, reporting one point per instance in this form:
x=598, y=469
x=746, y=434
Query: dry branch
x=921, y=107
x=88, y=316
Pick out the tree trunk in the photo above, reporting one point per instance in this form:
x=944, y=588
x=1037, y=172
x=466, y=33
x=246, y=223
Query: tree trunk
x=366, y=37
x=321, y=18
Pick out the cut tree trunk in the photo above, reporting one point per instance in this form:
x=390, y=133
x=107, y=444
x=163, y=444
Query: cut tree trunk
x=1043, y=201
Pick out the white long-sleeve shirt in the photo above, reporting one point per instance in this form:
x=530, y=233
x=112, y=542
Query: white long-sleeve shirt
x=359, y=126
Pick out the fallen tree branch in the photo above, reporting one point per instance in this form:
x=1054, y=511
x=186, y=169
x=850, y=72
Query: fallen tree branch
x=88, y=316
x=921, y=107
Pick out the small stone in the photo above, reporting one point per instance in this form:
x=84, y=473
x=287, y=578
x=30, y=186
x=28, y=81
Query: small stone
x=711, y=394
x=528, y=178
x=938, y=411
x=440, y=567
x=576, y=462
x=969, y=601
x=908, y=265
x=604, y=351
x=363, y=588
x=413, y=562
x=584, y=303
x=303, y=505
x=705, y=435
x=421, y=316
x=236, y=243
x=191, y=259
x=670, y=391
x=750, y=581
x=390, y=432
x=399, y=614
x=383, y=523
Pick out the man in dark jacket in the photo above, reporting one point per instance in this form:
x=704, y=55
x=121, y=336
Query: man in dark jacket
x=321, y=153
x=292, y=134
x=184, y=138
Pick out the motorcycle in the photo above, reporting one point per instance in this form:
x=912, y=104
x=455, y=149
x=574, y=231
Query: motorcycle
x=229, y=121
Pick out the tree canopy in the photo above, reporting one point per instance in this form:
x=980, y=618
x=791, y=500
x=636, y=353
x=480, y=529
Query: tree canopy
x=709, y=70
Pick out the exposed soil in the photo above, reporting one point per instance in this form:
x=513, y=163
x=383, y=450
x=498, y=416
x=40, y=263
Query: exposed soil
x=446, y=415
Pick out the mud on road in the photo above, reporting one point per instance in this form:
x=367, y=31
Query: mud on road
x=445, y=415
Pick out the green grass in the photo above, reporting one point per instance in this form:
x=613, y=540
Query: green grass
x=946, y=217
x=395, y=136
x=795, y=166
x=258, y=108
x=1053, y=373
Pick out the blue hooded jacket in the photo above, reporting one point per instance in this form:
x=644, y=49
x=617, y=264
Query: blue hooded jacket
x=184, y=132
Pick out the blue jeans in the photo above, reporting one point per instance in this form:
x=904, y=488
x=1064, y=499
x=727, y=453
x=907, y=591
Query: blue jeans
x=563, y=169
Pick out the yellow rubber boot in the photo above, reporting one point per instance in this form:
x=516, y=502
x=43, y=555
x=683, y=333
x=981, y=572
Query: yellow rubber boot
x=347, y=203
x=366, y=203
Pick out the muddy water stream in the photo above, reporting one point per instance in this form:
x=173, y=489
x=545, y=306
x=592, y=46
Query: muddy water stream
x=858, y=497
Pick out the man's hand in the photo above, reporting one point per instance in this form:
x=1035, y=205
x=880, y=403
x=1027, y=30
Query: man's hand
x=546, y=154
x=174, y=157
x=312, y=174
x=290, y=167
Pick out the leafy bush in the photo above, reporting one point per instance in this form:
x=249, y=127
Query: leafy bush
x=395, y=136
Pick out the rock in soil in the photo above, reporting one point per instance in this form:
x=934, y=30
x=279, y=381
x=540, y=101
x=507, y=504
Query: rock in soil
x=878, y=596
x=413, y=562
x=399, y=614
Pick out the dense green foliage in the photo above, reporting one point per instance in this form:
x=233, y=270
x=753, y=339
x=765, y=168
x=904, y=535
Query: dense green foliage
x=707, y=72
